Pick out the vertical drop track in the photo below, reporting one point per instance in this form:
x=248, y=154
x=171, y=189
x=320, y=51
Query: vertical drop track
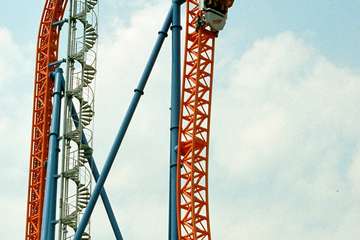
x=193, y=152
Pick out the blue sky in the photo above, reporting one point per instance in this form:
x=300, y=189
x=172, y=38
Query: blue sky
x=330, y=26
x=285, y=144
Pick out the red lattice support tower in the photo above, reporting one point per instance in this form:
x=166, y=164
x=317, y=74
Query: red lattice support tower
x=193, y=154
x=46, y=53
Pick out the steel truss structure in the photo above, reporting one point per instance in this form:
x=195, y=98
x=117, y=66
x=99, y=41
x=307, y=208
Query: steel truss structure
x=46, y=53
x=193, y=154
x=189, y=128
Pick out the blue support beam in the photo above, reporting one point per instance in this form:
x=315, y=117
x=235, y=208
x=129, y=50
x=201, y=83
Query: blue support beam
x=95, y=173
x=49, y=209
x=174, y=124
x=139, y=91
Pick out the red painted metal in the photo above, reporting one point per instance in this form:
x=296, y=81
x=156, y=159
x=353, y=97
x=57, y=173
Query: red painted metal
x=47, y=52
x=193, y=154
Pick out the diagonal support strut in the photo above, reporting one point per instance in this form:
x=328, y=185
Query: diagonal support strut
x=138, y=92
x=96, y=174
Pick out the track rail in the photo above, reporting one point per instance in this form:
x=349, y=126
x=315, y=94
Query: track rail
x=193, y=153
x=46, y=53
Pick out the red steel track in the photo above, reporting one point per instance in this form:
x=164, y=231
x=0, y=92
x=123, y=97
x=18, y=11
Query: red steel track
x=47, y=52
x=193, y=154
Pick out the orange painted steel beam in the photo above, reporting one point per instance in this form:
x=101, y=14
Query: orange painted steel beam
x=195, y=109
x=46, y=53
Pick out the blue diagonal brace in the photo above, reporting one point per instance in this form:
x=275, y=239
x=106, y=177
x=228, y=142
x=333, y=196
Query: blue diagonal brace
x=139, y=91
x=95, y=173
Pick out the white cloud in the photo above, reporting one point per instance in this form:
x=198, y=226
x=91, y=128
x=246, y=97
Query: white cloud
x=354, y=173
x=283, y=148
x=290, y=117
x=139, y=179
x=277, y=167
x=15, y=121
x=10, y=56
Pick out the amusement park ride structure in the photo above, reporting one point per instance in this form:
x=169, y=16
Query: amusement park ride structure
x=189, y=130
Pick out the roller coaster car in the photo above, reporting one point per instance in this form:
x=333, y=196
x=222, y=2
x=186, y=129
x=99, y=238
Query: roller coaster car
x=215, y=13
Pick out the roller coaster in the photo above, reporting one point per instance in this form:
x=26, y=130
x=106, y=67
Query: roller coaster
x=61, y=152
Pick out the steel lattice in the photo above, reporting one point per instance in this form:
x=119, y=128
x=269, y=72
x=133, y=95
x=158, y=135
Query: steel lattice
x=193, y=209
x=47, y=52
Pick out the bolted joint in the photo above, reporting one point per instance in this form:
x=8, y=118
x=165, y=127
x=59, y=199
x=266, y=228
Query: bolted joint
x=60, y=92
x=54, y=134
x=174, y=27
x=55, y=222
x=60, y=23
x=57, y=63
x=174, y=127
x=139, y=91
x=163, y=33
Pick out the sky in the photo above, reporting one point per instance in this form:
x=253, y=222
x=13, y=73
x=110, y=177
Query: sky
x=285, y=134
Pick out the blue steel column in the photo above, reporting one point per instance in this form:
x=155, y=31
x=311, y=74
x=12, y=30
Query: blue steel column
x=175, y=107
x=139, y=91
x=49, y=213
x=95, y=173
